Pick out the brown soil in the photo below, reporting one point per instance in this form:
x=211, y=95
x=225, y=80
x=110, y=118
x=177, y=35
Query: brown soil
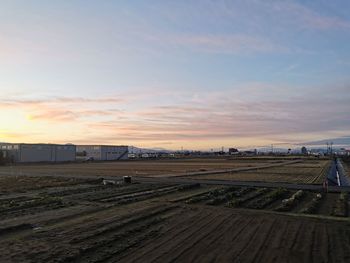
x=303, y=202
x=153, y=223
x=327, y=205
x=134, y=167
x=222, y=235
x=307, y=172
x=13, y=183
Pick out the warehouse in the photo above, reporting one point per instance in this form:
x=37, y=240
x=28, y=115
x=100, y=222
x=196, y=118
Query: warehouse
x=103, y=152
x=26, y=153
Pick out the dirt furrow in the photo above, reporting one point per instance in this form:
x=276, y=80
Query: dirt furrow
x=105, y=229
x=224, y=254
x=320, y=244
x=174, y=239
x=243, y=239
x=220, y=241
x=252, y=247
x=274, y=242
x=303, y=245
x=172, y=232
x=201, y=241
x=251, y=252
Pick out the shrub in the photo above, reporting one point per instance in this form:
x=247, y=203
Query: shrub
x=288, y=203
x=236, y=202
x=313, y=205
x=268, y=198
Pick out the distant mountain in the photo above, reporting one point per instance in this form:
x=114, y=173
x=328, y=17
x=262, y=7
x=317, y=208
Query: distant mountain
x=340, y=141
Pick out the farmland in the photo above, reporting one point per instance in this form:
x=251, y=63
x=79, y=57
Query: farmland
x=86, y=221
x=65, y=213
x=346, y=165
x=10, y=184
x=307, y=171
x=300, y=170
x=139, y=167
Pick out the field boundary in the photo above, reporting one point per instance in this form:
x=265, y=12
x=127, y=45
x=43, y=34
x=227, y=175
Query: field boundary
x=315, y=187
x=234, y=170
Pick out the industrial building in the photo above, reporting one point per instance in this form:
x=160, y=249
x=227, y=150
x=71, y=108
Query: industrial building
x=103, y=152
x=27, y=153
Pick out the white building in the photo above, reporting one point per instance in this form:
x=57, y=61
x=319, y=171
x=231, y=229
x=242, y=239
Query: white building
x=27, y=153
x=103, y=152
x=132, y=155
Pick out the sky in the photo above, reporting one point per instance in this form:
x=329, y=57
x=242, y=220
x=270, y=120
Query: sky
x=193, y=74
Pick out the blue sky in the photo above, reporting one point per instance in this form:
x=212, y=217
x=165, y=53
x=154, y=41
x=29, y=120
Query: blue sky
x=198, y=74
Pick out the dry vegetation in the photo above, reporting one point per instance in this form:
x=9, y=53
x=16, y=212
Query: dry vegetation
x=135, y=167
x=12, y=184
x=246, y=169
x=308, y=171
x=346, y=165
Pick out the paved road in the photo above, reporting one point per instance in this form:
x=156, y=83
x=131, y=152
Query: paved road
x=332, y=177
x=337, y=175
x=343, y=177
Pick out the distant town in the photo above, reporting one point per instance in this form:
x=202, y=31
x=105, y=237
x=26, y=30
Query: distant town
x=36, y=153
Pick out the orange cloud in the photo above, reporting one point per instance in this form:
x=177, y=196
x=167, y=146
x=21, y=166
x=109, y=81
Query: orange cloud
x=210, y=117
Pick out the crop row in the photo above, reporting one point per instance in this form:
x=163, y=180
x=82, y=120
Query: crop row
x=143, y=195
x=238, y=202
x=341, y=205
x=267, y=199
x=13, y=205
x=291, y=202
x=278, y=199
x=312, y=206
x=216, y=194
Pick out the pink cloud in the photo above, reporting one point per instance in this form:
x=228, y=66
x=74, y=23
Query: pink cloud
x=55, y=116
x=211, y=116
x=214, y=43
x=62, y=100
x=64, y=109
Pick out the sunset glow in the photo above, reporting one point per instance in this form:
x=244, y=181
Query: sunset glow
x=174, y=74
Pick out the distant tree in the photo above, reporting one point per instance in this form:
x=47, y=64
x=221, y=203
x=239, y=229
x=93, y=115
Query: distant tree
x=233, y=151
x=303, y=150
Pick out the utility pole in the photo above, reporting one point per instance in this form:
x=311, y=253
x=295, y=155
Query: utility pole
x=331, y=148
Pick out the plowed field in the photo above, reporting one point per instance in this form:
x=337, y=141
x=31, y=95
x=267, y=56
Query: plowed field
x=158, y=222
